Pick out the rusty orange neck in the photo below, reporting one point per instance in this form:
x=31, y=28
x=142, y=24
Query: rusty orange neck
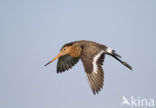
x=75, y=50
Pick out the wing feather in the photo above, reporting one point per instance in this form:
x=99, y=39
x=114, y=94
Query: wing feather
x=66, y=62
x=92, y=65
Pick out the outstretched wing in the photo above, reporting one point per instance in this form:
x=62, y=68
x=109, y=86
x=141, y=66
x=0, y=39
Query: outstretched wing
x=92, y=65
x=66, y=62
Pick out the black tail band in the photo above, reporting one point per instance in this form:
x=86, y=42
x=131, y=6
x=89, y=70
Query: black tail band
x=113, y=54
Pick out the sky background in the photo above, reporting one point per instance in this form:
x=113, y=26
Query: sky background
x=33, y=31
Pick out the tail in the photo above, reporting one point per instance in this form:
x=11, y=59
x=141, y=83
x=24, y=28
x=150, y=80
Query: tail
x=117, y=57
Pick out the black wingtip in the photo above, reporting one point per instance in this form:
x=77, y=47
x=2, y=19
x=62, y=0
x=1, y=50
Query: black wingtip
x=96, y=92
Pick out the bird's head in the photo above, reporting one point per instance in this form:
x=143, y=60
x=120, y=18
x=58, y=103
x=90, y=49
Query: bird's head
x=64, y=51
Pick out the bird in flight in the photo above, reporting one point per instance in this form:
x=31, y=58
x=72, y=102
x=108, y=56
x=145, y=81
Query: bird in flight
x=92, y=55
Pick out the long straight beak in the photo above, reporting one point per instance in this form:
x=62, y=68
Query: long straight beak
x=54, y=59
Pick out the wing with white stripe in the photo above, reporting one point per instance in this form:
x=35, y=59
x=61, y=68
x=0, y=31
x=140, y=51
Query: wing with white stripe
x=92, y=65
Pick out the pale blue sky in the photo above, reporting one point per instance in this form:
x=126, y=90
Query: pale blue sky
x=33, y=31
